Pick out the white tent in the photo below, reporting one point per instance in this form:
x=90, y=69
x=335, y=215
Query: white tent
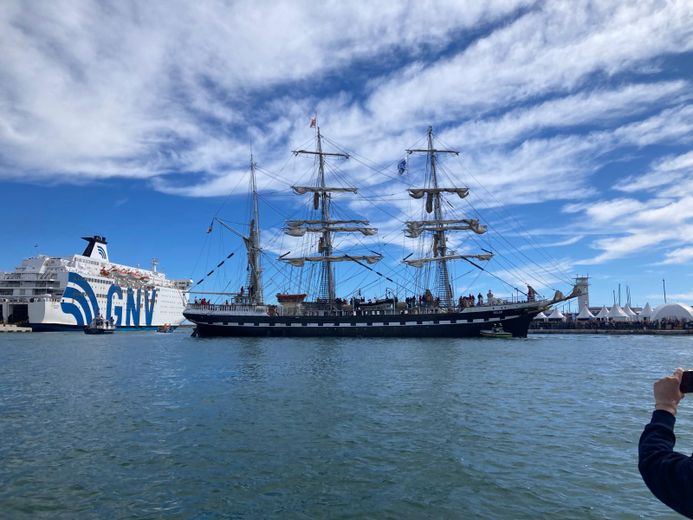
x=556, y=315
x=603, y=313
x=632, y=315
x=616, y=313
x=585, y=314
x=540, y=316
x=673, y=311
x=646, y=312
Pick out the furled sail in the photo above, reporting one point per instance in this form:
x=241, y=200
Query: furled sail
x=302, y=190
x=295, y=223
x=418, y=193
x=300, y=261
x=416, y=227
x=430, y=193
x=298, y=231
x=419, y=262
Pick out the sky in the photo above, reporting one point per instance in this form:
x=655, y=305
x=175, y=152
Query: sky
x=574, y=123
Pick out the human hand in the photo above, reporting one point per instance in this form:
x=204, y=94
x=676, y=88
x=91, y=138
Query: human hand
x=667, y=394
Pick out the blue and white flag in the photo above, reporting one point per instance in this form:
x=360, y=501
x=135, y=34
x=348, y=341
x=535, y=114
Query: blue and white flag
x=402, y=167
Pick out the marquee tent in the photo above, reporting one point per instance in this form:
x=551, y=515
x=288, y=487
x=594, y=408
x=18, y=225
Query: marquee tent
x=616, y=313
x=646, y=312
x=673, y=311
x=556, y=315
x=603, y=313
x=585, y=314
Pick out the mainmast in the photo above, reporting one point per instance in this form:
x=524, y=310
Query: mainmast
x=327, y=290
x=253, y=244
x=325, y=226
x=438, y=225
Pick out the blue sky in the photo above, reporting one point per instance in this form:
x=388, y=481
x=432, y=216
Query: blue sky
x=134, y=120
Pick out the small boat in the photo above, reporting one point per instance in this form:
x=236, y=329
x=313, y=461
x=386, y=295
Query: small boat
x=165, y=328
x=495, y=332
x=100, y=325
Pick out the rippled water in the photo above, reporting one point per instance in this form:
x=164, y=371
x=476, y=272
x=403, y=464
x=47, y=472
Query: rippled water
x=163, y=425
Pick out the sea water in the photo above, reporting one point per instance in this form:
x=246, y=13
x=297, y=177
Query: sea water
x=146, y=425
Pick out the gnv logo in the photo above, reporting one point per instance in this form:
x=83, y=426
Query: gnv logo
x=124, y=309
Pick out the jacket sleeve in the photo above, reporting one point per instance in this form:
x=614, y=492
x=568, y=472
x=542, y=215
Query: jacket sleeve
x=668, y=474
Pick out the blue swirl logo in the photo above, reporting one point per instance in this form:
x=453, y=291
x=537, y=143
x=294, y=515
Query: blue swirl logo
x=83, y=305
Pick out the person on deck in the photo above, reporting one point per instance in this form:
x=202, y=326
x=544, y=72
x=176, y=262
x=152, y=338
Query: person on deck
x=667, y=473
x=480, y=299
x=489, y=297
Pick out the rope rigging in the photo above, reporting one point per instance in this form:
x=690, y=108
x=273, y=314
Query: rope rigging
x=383, y=202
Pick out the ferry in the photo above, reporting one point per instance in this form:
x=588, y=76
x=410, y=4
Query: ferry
x=49, y=293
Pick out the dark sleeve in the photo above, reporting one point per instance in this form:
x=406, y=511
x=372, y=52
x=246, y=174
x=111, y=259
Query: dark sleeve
x=668, y=474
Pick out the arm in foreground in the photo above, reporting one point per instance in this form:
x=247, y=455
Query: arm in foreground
x=668, y=474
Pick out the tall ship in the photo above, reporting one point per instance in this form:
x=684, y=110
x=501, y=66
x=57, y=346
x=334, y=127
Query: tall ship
x=50, y=293
x=422, y=303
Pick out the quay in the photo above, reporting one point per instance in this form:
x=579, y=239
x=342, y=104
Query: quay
x=13, y=328
x=625, y=332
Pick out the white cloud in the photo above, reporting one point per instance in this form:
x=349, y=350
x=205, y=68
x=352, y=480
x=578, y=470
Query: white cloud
x=116, y=89
x=681, y=255
x=665, y=172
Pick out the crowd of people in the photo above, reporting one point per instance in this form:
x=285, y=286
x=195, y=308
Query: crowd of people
x=593, y=324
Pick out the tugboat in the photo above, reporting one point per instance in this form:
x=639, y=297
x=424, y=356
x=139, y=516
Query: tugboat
x=496, y=332
x=100, y=325
x=421, y=313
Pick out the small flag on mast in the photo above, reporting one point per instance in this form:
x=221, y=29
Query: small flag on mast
x=313, y=121
x=402, y=167
x=209, y=229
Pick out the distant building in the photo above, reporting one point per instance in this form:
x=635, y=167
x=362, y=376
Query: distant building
x=582, y=283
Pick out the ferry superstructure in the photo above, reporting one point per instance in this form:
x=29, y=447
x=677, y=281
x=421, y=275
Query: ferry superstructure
x=63, y=293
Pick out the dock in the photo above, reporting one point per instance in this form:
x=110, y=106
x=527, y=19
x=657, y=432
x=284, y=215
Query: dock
x=622, y=332
x=13, y=328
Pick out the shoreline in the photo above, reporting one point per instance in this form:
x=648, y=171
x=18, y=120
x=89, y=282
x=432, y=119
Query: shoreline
x=626, y=332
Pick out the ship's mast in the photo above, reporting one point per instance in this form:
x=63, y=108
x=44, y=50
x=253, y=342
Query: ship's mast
x=253, y=244
x=327, y=290
x=443, y=286
x=325, y=226
x=438, y=225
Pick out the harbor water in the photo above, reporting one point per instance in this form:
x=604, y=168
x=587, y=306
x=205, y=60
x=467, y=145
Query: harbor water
x=146, y=425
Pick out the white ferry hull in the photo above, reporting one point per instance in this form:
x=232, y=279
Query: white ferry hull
x=129, y=308
x=67, y=293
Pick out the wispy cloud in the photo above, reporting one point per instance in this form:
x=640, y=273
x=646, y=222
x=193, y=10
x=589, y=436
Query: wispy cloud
x=543, y=98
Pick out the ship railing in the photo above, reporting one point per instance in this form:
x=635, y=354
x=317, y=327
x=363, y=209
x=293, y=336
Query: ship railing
x=230, y=307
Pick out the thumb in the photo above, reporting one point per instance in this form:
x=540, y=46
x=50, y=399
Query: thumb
x=678, y=373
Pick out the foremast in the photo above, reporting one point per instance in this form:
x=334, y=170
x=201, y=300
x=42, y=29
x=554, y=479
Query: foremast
x=325, y=225
x=438, y=226
x=254, y=296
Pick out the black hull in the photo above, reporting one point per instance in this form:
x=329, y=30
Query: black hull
x=450, y=325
